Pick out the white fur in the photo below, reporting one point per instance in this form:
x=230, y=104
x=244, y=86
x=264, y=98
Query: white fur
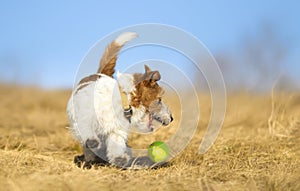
x=125, y=37
x=126, y=81
x=96, y=111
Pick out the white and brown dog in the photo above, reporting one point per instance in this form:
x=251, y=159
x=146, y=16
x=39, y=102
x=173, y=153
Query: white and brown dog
x=102, y=109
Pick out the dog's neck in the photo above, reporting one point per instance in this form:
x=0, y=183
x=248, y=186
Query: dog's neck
x=126, y=86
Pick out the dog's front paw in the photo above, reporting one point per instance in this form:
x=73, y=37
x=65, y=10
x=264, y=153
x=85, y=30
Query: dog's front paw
x=144, y=162
x=121, y=161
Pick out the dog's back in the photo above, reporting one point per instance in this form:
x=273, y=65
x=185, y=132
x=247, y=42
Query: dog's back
x=96, y=102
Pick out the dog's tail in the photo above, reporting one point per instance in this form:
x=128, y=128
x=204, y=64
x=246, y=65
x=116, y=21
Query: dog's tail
x=109, y=58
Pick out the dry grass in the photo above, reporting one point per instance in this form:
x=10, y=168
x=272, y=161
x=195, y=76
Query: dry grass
x=257, y=149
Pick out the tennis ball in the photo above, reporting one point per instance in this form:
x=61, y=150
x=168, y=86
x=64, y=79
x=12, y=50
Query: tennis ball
x=158, y=151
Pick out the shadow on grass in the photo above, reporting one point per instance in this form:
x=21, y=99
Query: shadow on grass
x=137, y=163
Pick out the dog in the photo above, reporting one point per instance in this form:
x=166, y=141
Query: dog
x=101, y=110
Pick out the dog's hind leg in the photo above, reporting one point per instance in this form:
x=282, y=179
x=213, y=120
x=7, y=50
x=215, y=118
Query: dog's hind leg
x=94, y=153
x=117, y=151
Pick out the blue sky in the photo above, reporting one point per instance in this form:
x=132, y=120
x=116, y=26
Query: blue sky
x=43, y=42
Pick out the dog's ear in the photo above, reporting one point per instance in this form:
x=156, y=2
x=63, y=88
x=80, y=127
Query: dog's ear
x=151, y=75
x=147, y=69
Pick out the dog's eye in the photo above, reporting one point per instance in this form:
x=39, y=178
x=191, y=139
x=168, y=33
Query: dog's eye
x=159, y=100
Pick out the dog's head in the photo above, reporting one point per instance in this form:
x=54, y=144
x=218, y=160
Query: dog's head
x=146, y=102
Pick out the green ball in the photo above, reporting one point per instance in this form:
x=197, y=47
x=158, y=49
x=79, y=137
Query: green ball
x=158, y=151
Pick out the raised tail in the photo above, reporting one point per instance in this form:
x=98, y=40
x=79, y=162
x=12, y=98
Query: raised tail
x=109, y=58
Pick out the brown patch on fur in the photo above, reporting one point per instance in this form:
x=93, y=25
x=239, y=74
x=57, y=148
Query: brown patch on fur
x=90, y=78
x=109, y=59
x=147, y=89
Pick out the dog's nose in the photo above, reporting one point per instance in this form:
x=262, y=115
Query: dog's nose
x=167, y=120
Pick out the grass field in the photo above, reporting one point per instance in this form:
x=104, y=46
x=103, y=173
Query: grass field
x=257, y=149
